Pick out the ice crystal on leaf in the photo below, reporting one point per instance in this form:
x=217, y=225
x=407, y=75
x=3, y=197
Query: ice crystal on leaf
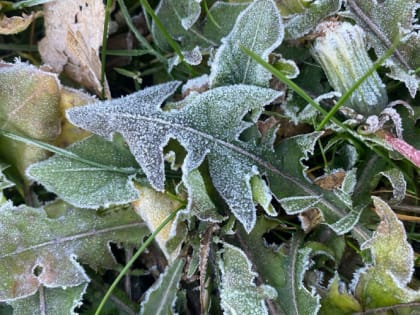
x=385, y=282
x=239, y=294
x=258, y=28
x=49, y=254
x=386, y=21
x=209, y=125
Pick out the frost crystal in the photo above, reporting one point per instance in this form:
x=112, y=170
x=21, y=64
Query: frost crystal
x=208, y=125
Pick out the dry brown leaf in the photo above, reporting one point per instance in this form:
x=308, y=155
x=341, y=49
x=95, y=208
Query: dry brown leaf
x=74, y=31
x=16, y=24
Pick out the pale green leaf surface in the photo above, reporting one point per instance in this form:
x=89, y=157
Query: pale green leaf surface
x=384, y=22
x=52, y=301
x=283, y=270
x=177, y=17
x=208, y=125
x=399, y=185
x=300, y=24
x=338, y=300
x=225, y=14
x=199, y=202
x=238, y=293
x=87, y=186
x=160, y=298
x=385, y=282
x=38, y=250
x=259, y=28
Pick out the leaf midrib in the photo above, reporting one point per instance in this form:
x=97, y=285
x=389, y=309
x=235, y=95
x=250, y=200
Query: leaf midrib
x=258, y=160
x=72, y=238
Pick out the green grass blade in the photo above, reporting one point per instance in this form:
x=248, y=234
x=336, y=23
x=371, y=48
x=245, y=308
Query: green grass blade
x=63, y=152
x=127, y=267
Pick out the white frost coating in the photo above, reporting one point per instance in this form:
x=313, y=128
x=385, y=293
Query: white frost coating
x=84, y=185
x=258, y=28
x=384, y=17
x=302, y=23
x=298, y=204
x=54, y=246
x=208, y=125
x=196, y=83
x=399, y=185
x=239, y=294
x=163, y=292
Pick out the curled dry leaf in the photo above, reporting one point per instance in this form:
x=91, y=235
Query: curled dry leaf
x=16, y=24
x=74, y=33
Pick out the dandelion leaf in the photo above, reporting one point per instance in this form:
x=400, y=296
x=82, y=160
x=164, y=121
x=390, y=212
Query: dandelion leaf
x=238, y=293
x=85, y=185
x=208, y=125
x=283, y=270
x=161, y=297
x=386, y=21
x=41, y=251
x=259, y=28
x=52, y=301
x=297, y=197
x=384, y=283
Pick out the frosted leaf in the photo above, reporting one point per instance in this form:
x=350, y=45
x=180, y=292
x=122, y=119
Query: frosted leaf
x=399, y=185
x=283, y=269
x=338, y=300
x=38, y=250
x=208, y=125
x=341, y=51
x=52, y=301
x=385, y=281
x=384, y=22
x=90, y=186
x=260, y=29
x=239, y=294
x=160, y=298
x=177, y=17
x=199, y=202
x=262, y=195
x=294, y=205
x=192, y=57
x=225, y=14
x=300, y=24
x=296, y=198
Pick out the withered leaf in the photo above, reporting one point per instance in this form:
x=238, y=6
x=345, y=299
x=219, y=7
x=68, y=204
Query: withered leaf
x=74, y=33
